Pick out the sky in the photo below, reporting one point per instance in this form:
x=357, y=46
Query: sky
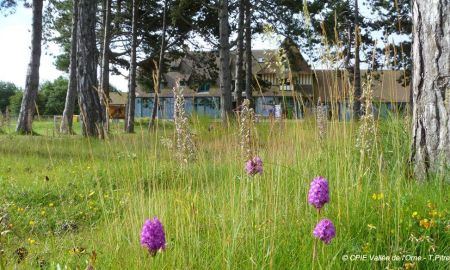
x=15, y=49
x=15, y=43
x=15, y=33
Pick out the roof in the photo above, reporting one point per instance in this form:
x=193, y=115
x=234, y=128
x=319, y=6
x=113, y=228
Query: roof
x=296, y=61
x=335, y=85
x=118, y=98
x=203, y=66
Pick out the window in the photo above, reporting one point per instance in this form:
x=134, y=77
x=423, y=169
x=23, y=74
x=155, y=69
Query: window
x=286, y=87
x=204, y=87
x=303, y=79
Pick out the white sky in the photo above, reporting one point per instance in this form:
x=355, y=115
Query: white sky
x=15, y=52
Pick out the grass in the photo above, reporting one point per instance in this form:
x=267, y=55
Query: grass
x=65, y=197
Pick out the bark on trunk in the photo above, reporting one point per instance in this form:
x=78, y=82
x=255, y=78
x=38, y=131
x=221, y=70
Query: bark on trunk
x=431, y=85
x=104, y=78
x=224, y=68
x=92, y=113
x=159, y=71
x=129, y=123
x=248, y=54
x=239, y=77
x=67, y=119
x=28, y=106
x=357, y=71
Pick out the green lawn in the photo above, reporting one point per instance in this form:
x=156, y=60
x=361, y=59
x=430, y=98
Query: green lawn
x=64, y=197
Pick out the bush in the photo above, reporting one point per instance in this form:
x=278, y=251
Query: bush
x=7, y=90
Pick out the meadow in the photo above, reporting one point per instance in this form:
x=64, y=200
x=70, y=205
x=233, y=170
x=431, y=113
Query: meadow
x=65, y=198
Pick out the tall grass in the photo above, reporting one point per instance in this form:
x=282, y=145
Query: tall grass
x=98, y=194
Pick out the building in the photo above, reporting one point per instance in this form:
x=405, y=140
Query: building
x=283, y=80
x=117, y=105
x=389, y=91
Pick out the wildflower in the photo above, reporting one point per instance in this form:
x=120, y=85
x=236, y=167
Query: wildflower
x=425, y=223
x=167, y=143
x=415, y=214
x=378, y=196
x=325, y=231
x=367, y=131
x=43, y=213
x=246, y=125
x=254, y=166
x=409, y=265
x=32, y=222
x=185, y=145
x=51, y=204
x=153, y=236
x=31, y=241
x=321, y=119
x=371, y=227
x=366, y=247
x=433, y=213
x=318, y=192
x=77, y=250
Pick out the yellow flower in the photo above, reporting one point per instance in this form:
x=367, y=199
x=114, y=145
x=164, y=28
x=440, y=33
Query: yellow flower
x=32, y=222
x=43, y=213
x=31, y=241
x=366, y=247
x=425, y=223
x=378, y=196
x=433, y=213
x=77, y=251
x=371, y=227
x=430, y=205
x=51, y=204
x=20, y=209
x=415, y=214
x=409, y=265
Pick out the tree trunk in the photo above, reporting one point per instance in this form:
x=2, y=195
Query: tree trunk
x=104, y=78
x=67, y=119
x=129, y=123
x=357, y=71
x=431, y=84
x=28, y=106
x=248, y=54
x=224, y=68
x=92, y=113
x=159, y=71
x=239, y=78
